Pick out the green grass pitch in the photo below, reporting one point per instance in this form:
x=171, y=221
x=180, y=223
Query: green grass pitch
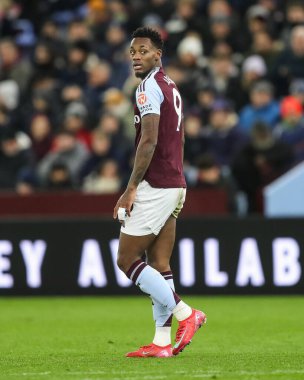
x=85, y=338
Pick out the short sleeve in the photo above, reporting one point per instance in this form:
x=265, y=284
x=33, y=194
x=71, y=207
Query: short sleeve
x=149, y=97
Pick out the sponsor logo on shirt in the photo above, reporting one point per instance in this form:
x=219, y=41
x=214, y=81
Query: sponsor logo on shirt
x=141, y=98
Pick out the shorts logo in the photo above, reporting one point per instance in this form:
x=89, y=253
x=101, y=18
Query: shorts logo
x=141, y=98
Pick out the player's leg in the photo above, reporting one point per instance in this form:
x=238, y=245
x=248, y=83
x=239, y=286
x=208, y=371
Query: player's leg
x=158, y=256
x=152, y=207
x=135, y=238
x=148, y=279
x=190, y=320
x=153, y=283
x=131, y=249
x=160, y=251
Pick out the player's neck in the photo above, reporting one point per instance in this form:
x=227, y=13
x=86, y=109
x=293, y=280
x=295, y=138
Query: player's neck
x=153, y=69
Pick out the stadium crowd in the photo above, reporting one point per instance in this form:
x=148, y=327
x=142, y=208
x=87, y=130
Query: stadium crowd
x=66, y=91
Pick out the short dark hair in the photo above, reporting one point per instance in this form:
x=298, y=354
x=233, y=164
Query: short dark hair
x=154, y=36
x=206, y=161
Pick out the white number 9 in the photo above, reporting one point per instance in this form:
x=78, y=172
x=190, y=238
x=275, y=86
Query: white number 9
x=178, y=106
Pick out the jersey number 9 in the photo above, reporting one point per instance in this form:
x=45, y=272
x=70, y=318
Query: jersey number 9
x=178, y=106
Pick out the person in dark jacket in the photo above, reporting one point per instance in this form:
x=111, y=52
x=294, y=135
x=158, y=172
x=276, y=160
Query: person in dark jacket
x=260, y=162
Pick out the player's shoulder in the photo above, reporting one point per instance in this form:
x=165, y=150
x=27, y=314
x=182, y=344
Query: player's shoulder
x=163, y=79
x=150, y=82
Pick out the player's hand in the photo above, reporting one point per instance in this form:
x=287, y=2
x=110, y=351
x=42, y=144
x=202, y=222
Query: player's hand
x=125, y=201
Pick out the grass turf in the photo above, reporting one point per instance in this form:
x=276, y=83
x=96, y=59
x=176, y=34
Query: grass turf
x=256, y=338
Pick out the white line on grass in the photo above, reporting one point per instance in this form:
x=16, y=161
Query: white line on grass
x=32, y=374
x=137, y=375
x=203, y=374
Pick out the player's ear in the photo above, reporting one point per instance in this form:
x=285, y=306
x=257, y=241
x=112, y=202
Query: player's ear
x=159, y=53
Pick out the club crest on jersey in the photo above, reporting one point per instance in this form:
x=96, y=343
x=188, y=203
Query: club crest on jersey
x=142, y=98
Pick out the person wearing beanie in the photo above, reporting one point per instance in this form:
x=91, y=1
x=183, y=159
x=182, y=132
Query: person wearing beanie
x=291, y=128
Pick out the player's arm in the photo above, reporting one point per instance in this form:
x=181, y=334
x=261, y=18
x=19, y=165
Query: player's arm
x=143, y=157
x=145, y=149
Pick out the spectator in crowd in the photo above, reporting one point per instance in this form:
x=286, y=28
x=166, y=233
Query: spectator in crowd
x=184, y=18
x=264, y=46
x=222, y=137
x=221, y=25
x=253, y=70
x=115, y=53
x=205, y=97
x=104, y=180
x=121, y=144
x=71, y=93
x=258, y=19
x=118, y=11
x=54, y=59
x=44, y=62
x=68, y=151
x=41, y=134
x=42, y=100
x=75, y=117
x=59, y=177
x=190, y=57
x=117, y=104
x=100, y=151
x=296, y=89
x=259, y=162
x=112, y=50
x=275, y=15
x=290, y=62
x=13, y=158
x=9, y=94
x=9, y=13
x=98, y=82
x=211, y=176
x=195, y=143
x=262, y=107
x=162, y=8
x=224, y=75
x=51, y=36
x=291, y=129
x=13, y=65
x=98, y=18
x=78, y=30
x=74, y=72
x=294, y=17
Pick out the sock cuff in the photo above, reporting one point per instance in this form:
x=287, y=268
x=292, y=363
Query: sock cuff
x=167, y=275
x=135, y=269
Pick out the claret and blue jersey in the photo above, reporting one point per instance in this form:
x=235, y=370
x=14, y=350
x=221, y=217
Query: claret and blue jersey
x=158, y=94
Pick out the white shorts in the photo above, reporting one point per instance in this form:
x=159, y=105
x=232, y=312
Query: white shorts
x=152, y=208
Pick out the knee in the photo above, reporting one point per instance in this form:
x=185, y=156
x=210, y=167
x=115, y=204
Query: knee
x=123, y=263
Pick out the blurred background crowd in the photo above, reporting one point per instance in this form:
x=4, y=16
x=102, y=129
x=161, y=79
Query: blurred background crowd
x=67, y=87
